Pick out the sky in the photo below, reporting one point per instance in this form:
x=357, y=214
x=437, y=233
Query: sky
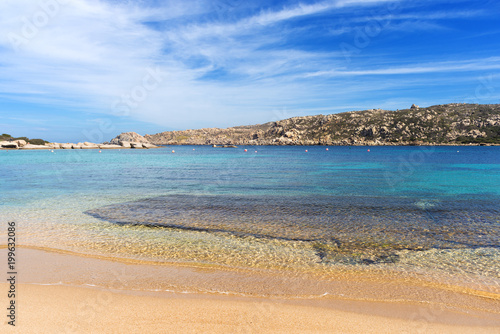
x=87, y=70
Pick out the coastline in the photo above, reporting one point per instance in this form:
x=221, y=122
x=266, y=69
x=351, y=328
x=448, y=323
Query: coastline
x=112, y=296
x=115, y=147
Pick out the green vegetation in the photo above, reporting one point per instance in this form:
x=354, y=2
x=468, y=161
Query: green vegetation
x=181, y=138
x=36, y=141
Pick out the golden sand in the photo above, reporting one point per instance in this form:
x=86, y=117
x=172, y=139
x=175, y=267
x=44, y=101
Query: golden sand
x=66, y=293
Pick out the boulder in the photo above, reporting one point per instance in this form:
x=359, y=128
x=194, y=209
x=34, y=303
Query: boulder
x=129, y=137
x=67, y=146
x=88, y=145
x=110, y=146
x=136, y=145
x=125, y=144
x=53, y=145
x=35, y=147
x=148, y=145
x=21, y=142
x=77, y=146
x=8, y=144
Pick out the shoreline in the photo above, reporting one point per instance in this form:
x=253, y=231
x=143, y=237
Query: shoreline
x=53, y=281
x=103, y=147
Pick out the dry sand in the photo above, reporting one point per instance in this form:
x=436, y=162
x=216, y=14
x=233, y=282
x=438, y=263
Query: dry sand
x=71, y=307
x=63, y=309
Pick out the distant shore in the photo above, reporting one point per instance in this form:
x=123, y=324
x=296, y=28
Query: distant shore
x=23, y=145
x=70, y=146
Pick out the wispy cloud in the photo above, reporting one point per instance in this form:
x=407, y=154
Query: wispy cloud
x=491, y=63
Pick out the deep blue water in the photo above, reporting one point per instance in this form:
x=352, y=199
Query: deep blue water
x=414, y=172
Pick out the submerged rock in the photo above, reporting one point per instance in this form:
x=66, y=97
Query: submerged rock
x=365, y=230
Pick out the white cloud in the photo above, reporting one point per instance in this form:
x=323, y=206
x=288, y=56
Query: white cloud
x=91, y=53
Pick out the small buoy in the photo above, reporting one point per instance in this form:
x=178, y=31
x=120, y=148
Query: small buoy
x=246, y=150
x=52, y=151
x=458, y=151
x=306, y=150
x=173, y=151
x=327, y=148
x=193, y=149
x=99, y=151
x=368, y=150
x=255, y=151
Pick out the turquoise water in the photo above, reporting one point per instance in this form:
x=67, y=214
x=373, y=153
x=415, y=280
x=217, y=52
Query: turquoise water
x=280, y=207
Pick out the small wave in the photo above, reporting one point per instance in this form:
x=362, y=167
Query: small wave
x=426, y=204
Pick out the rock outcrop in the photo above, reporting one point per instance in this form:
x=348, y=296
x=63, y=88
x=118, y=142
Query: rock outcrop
x=131, y=140
x=21, y=144
x=8, y=144
x=34, y=147
x=450, y=124
x=130, y=137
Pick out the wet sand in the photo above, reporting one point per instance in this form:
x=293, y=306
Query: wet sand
x=66, y=293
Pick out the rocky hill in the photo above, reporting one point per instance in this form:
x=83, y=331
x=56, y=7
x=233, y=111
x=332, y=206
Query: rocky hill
x=449, y=124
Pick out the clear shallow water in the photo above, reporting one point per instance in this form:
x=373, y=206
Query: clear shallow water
x=397, y=208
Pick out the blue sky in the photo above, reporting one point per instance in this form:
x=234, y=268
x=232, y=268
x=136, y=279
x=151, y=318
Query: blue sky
x=87, y=70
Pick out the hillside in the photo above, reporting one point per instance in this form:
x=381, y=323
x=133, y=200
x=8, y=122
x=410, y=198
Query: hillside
x=449, y=124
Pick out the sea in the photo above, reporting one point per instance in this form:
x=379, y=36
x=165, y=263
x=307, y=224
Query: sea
x=426, y=211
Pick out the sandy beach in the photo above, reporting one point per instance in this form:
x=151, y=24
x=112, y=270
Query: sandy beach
x=61, y=293
x=63, y=309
